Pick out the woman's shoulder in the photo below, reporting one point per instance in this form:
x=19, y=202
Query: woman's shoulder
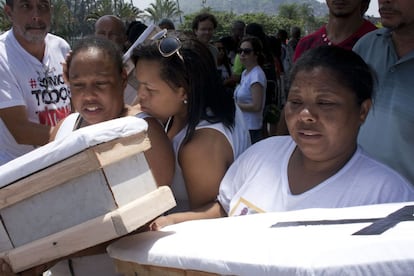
x=207, y=138
x=258, y=72
x=366, y=166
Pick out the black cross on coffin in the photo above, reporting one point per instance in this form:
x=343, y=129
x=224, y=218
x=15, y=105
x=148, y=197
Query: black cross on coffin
x=378, y=226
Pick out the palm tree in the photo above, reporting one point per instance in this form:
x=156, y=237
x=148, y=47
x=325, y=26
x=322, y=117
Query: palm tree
x=62, y=20
x=289, y=11
x=126, y=11
x=5, y=23
x=162, y=9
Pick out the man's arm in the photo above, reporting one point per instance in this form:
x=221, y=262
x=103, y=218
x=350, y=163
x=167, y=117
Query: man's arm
x=24, y=131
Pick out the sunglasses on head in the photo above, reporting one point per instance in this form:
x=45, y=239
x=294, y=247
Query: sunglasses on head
x=167, y=45
x=244, y=50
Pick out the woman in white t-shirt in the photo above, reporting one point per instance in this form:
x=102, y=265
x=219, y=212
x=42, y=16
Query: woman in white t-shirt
x=97, y=80
x=250, y=94
x=320, y=165
x=179, y=84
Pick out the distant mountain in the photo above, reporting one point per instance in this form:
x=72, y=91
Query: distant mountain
x=248, y=6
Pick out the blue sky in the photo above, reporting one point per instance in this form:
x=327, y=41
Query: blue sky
x=372, y=11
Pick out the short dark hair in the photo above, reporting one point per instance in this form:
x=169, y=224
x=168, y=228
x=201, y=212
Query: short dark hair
x=135, y=31
x=167, y=23
x=203, y=17
x=103, y=44
x=295, y=32
x=364, y=6
x=346, y=65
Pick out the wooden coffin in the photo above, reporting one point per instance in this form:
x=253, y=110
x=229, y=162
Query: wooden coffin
x=99, y=194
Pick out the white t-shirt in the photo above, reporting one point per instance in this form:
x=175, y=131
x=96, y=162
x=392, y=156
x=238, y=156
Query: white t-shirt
x=257, y=182
x=243, y=94
x=238, y=138
x=39, y=86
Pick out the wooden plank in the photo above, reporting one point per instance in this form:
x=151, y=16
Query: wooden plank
x=5, y=243
x=92, y=232
x=114, y=151
x=64, y=206
x=48, y=178
x=129, y=179
x=151, y=205
x=72, y=167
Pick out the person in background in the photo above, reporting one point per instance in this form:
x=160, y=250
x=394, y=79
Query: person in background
x=282, y=35
x=203, y=26
x=250, y=94
x=321, y=164
x=167, y=24
x=33, y=95
x=97, y=80
x=112, y=28
x=345, y=26
x=134, y=32
x=295, y=34
x=179, y=85
x=268, y=66
x=232, y=41
x=388, y=132
x=223, y=64
x=256, y=29
x=286, y=58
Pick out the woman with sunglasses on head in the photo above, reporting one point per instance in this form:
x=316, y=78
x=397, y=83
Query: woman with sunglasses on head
x=179, y=85
x=250, y=94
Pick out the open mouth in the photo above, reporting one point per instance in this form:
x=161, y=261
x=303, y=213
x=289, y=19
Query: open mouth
x=91, y=109
x=308, y=134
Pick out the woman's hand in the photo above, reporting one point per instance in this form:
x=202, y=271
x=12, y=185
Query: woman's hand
x=65, y=67
x=5, y=269
x=160, y=223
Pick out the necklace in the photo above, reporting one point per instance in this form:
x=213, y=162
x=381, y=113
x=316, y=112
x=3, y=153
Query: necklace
x=326, y=39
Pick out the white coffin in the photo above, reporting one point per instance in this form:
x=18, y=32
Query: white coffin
x=90, y=187
x=251, y=245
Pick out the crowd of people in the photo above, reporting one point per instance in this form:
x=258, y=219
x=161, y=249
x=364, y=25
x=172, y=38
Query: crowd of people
x=344, y=137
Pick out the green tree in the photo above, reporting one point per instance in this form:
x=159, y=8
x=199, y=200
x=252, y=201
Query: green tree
x=73, y=19
x=5, y=23
x=289, y=11
x=289, y=15
x=162, y=9
x=126, y=11
x=62, y=20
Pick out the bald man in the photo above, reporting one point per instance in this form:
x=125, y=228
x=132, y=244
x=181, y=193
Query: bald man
x=112, y=28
